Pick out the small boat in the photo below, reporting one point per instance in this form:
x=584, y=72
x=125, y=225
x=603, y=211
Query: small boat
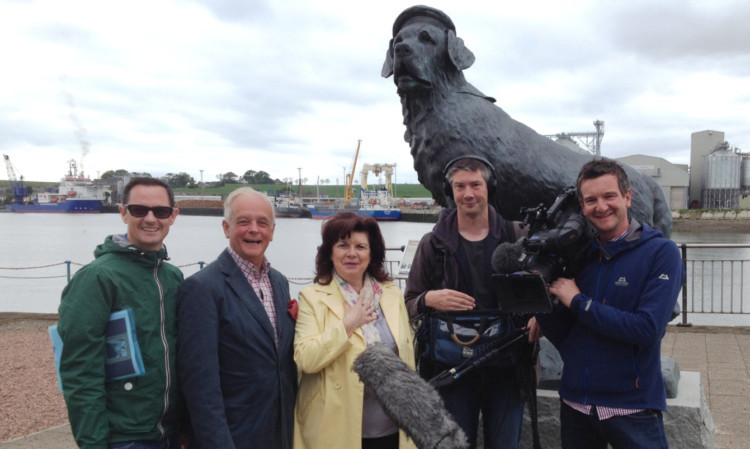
x=287, y=207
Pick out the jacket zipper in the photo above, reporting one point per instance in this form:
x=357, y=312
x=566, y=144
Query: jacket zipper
x=588, y=339
x=165, y=343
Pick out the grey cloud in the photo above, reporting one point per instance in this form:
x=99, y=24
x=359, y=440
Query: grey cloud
x=663, y=31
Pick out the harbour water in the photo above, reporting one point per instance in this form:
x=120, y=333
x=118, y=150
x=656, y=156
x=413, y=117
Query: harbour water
x=41, y=240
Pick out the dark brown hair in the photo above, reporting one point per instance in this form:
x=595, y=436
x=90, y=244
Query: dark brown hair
x=147, y=181
x=340, y=227
x=599, y=167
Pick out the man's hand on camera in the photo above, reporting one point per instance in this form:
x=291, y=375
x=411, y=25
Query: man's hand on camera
x=565, y=290
x=447, y=299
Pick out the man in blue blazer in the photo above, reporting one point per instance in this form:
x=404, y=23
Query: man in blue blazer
x=235, y=353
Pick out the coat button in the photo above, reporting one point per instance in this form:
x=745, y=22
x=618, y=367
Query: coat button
x=337, y=385
x=128, y=386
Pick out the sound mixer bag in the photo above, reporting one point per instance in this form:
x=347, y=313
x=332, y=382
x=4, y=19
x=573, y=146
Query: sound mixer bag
x=451, y=338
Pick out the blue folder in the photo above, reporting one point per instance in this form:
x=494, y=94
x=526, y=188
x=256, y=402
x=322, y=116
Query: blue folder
x=123, y=356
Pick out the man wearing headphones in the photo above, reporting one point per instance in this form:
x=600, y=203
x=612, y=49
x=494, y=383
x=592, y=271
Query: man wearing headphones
x=452, y=271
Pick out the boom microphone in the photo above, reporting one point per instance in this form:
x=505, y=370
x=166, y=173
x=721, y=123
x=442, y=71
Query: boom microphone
x=506, y=258
x=414, y=405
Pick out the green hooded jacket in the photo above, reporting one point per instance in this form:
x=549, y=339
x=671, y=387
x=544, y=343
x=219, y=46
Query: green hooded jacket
x=144, y=408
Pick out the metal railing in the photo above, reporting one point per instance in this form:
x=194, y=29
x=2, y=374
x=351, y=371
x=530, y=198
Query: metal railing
x=712, y=285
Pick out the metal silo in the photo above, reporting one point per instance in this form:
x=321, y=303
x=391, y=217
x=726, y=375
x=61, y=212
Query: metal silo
x=721, y=180
x=745, y=173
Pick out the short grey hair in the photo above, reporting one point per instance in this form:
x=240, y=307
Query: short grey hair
x=246, y=191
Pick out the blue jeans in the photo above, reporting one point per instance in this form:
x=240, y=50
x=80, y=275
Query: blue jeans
x=642, y=430
x=494, y=391
x=170, y=443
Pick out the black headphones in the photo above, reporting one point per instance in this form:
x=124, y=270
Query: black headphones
x=491, y=184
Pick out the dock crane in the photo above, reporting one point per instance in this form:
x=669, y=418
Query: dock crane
x=350, y=177
x=376, y=169
x=16, y=183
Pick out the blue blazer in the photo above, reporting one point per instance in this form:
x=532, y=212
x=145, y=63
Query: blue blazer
x=239, y=387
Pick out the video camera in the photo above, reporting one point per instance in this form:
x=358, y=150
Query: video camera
x=555, y=246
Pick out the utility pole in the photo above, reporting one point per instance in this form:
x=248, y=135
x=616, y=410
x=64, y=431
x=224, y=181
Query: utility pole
x=299, y=185
x=200, y=191
x=394, y=181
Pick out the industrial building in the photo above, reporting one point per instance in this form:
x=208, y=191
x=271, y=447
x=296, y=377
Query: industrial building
x=719, y=174
x=672, y=178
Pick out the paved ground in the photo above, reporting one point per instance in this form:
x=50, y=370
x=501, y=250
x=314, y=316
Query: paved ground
x=721, y=355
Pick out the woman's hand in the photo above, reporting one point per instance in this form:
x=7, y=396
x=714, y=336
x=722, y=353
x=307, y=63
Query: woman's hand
x=355, y=316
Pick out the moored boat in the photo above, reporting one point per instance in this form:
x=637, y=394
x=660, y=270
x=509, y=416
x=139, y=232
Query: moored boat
x=76, y=194
x=286, y=207
x=325, y=210
x=377, y=204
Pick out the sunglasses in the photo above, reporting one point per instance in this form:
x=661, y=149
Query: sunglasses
x=138, y=211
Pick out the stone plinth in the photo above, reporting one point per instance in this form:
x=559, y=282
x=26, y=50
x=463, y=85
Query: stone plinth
x=688, y=422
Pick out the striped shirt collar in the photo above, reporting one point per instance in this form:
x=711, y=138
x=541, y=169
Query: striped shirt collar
x=621, y=236
x=249, y=269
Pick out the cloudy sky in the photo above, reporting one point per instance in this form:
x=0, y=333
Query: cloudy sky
x=164, y=86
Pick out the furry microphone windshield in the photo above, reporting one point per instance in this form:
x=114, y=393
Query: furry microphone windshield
x=414, y=405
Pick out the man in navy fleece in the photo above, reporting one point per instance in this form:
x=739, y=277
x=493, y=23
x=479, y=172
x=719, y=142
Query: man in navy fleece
x=610, y=320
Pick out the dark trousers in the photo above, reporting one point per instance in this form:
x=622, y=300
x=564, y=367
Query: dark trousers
x=642, y=430
x=389, y=442
x=494, y=391
x=170, y=443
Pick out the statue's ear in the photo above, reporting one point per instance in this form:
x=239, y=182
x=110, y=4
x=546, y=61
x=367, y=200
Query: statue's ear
x=388, y=63
x=460, y=56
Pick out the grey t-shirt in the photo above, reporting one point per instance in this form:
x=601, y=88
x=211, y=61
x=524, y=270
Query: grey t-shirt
x=375, y=423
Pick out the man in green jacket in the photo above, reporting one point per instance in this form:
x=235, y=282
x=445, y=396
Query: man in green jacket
x=128, y=272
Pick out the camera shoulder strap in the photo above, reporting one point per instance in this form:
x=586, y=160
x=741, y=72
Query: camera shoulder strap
x=438, y=261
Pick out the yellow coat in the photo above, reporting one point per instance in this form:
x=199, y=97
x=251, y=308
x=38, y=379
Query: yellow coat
x=329, y=406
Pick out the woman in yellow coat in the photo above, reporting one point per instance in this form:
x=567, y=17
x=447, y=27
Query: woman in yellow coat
x=352, y=304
